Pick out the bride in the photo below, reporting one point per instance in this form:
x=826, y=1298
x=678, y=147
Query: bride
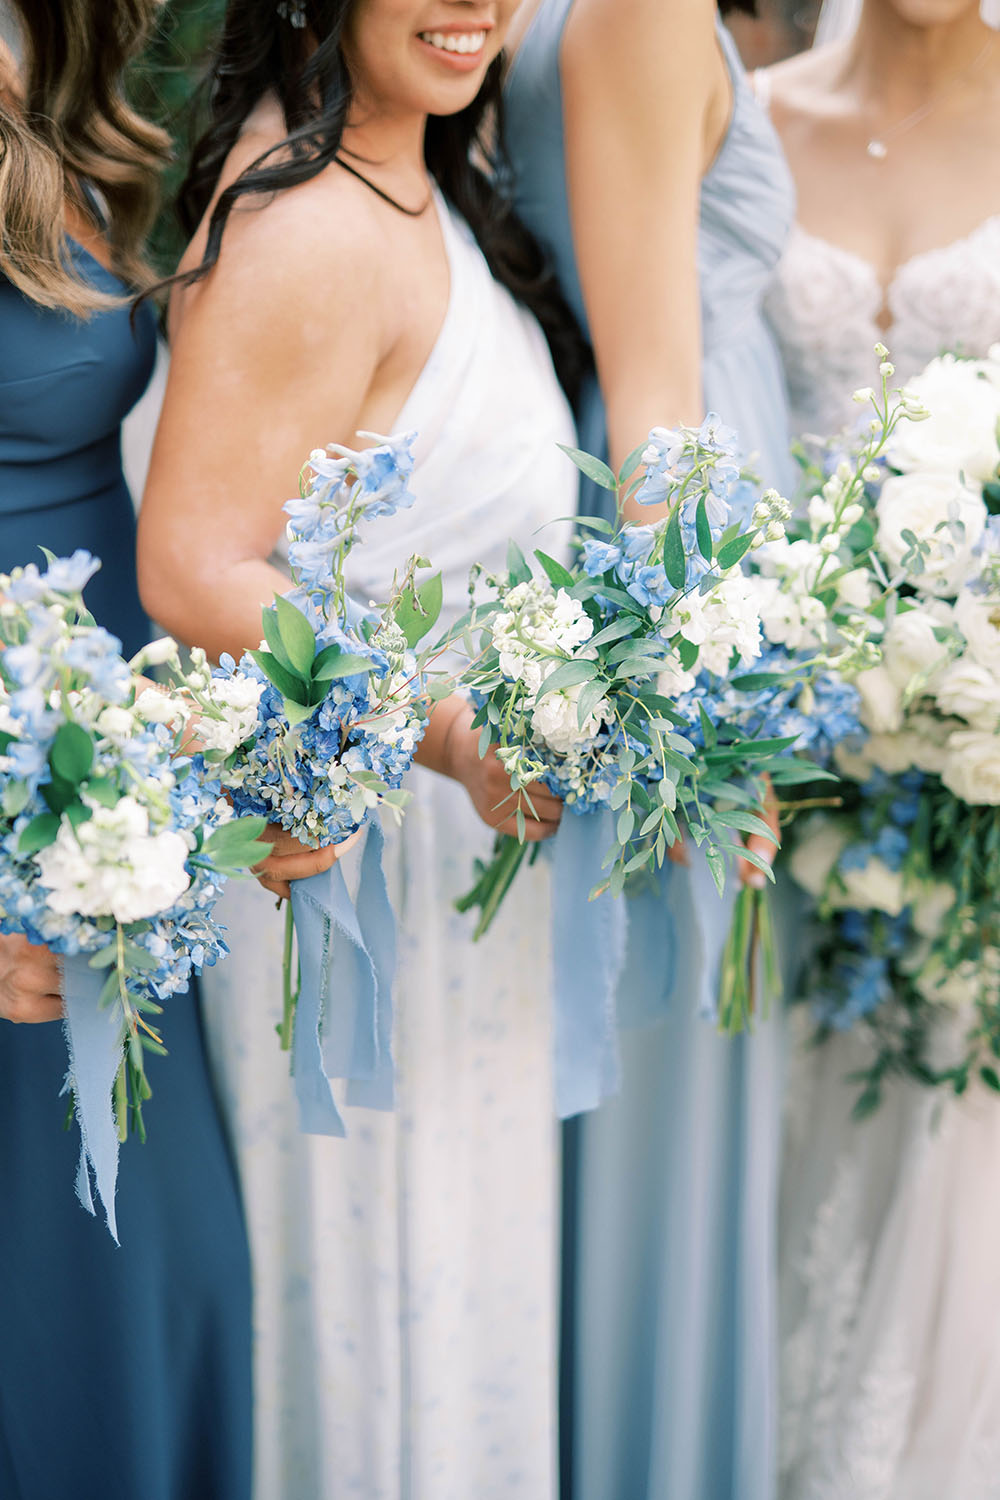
x=355, y=269
x=890, y=1233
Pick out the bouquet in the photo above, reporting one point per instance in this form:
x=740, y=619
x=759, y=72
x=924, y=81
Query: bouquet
x=115, y=844
x=315, y=732
x=906, y=873
x=628, y=684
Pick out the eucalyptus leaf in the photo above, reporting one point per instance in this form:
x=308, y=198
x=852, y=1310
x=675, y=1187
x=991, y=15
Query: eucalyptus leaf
x=703, y=531
x=732, y=552
x=592, y=467
x=590, y=695
x=568, y=674
x=517, y=564
x=674, y=557
x=558, y=576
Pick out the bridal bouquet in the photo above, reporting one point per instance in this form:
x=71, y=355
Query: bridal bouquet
x=115, y=844
x=632, y=683
x=906, y=876
x=315, y=732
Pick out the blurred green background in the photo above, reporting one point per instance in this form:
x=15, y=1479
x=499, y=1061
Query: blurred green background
x=165, y=87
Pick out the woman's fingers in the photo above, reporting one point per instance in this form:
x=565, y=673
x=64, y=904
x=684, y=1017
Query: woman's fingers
x=29, y=982
x=291, y=860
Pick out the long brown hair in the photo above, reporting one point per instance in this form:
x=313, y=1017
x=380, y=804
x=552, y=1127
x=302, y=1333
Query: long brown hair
x=69, y=123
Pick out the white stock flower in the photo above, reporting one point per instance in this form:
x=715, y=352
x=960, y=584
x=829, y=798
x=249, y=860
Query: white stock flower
x=978, y=618
x=968, y=691
x=925, y=504
x=115, y=722
x=719, y=622
x=854, y=764
x=672, y=680
x=960, y=434
x=237, y=699
x=972, y=767
x=819, y=844
x=113, y=866
x=856, y=588
x=881, y=701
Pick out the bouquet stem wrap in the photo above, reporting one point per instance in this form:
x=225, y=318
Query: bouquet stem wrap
x=343, y=1021
x=588, y=952
x=94, y=1039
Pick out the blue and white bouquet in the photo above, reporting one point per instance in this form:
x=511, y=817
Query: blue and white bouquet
x=628, y=684
x=315, y=732
x=114, y=844
x=906, y=874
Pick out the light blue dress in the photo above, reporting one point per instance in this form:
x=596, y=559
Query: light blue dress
x=669, y=1302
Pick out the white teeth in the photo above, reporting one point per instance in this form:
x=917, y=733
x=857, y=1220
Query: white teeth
x=455, y=41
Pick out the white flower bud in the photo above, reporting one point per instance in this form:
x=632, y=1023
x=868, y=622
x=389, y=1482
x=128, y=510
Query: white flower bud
x=852, y=515
x=775, y=531
x=844, y=471
x=829, y=543
x=881, y=352
x=886, y=368
x=156, y=654
x=863, y=395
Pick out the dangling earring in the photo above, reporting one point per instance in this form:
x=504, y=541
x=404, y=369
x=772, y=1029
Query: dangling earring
x=294, y=12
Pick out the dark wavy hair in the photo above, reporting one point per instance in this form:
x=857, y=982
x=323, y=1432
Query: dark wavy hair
x=260, y=52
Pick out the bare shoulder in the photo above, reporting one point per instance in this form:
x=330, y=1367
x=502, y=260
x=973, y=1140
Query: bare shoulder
x=10, y=83
x=803, y=87
x=309, y=248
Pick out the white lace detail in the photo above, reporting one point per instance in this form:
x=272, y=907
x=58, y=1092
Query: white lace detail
x=828, y=310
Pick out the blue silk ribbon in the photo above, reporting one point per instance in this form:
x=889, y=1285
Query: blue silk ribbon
x=588, y=951
x=94, y=1038
x=343, y=1021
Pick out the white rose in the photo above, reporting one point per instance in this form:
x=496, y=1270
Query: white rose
x=978, y=618
x=112, y=866
x=881, y=701
x=931, y=901
x=958, y=987
x=156, y=654
x=874, y=887
x=159, y=708
x=911, y=649
x=856, y=589
x=923, y=503
x=115, y=722
x=968, y=691
x=960, y=435
x=555, y=719
x=854, y=764
x=972, y=767
x=818, y=846
x=672, y=680
x=891, y=753
x=928, y=742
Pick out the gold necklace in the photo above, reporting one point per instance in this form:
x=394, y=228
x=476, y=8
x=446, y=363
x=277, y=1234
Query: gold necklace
x=877, y=146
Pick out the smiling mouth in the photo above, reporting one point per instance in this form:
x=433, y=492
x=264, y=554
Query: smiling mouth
x=463, y=42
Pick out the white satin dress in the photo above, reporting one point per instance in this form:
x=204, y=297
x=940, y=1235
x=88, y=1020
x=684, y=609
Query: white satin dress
x=890, y=1228
x=405, y=1278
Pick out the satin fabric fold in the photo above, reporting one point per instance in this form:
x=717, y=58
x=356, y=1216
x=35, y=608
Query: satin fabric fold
x=94, y=1039
x=343, y=1021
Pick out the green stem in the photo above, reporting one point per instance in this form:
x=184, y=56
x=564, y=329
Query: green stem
x=494, y=882
x=289, y=990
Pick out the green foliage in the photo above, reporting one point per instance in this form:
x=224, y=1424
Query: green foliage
x=164, y=86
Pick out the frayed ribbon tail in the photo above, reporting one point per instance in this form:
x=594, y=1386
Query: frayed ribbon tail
x=338, y=1016
x=94, y=1039
x=588, y=951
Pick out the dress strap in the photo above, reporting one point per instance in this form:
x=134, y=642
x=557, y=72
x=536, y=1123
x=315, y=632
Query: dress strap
x=760, y=82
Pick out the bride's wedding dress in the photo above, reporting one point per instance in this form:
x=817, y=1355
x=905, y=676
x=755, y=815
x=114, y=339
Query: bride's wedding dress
x=890, y=1228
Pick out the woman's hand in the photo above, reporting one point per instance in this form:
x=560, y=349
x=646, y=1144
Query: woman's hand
x=488, y=784
x=29, y=981
x=760, y=844
x=290, y=859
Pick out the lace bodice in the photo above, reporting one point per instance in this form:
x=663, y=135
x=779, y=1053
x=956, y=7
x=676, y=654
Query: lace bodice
x=828, y=310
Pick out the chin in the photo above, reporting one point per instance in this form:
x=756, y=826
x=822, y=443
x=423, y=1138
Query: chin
x=927, y=13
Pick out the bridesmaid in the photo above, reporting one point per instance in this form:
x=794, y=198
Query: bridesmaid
x=644, y=165
x=374, y=280
x=123, y=1372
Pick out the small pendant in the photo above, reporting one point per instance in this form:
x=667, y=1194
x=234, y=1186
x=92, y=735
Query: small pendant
x=877, y=149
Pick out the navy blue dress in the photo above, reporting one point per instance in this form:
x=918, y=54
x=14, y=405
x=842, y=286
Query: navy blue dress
x=124, y=1373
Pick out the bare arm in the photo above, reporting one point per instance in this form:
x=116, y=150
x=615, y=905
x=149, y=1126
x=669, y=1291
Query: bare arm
x=645, y=97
